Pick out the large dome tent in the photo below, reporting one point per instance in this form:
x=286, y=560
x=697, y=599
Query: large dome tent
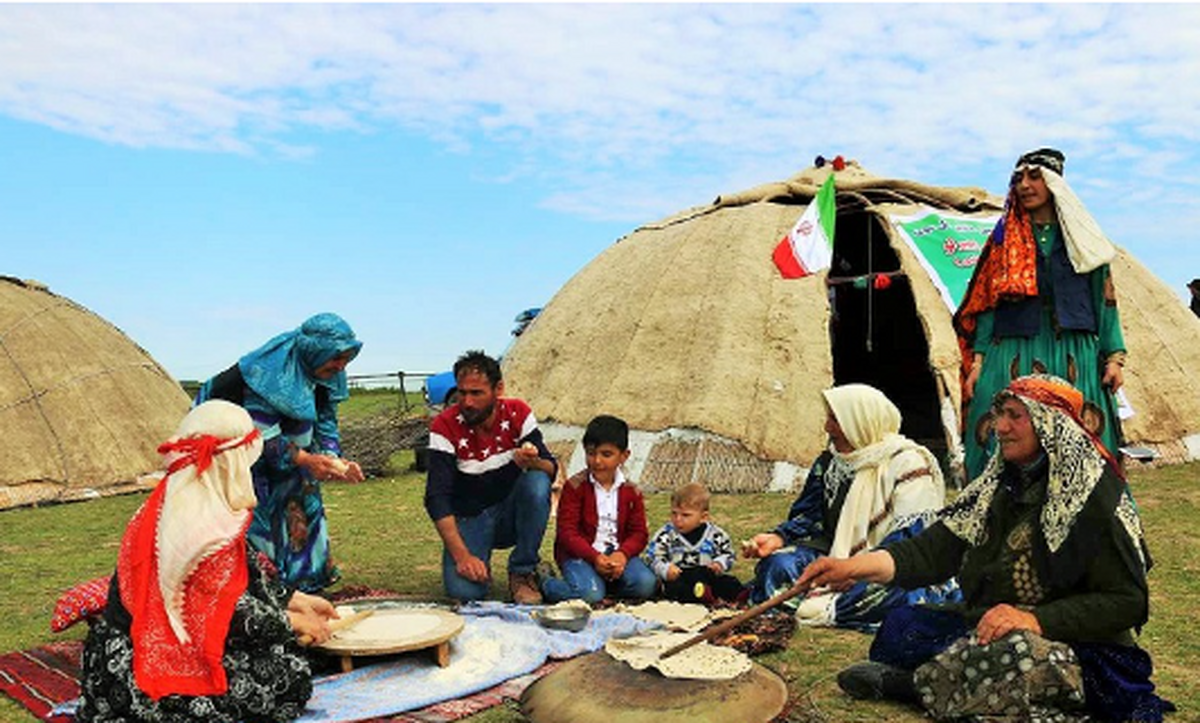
x=687, y=330
x=82, y=407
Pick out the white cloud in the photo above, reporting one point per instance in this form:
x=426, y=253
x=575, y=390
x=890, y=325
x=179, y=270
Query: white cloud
x=618, y=105
x=619, y=77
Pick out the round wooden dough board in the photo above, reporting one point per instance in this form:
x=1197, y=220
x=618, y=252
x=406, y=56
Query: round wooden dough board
x=395, y=630
x=596, y=688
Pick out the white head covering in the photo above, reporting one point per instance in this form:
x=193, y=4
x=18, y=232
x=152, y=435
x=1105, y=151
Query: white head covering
x=864, y=413
x=203, y=511
x=871, y=423
x=1087, y=246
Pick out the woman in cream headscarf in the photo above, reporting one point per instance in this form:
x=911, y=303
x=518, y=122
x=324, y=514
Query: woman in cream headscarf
x=193, y=631
x=872, y=485
x=1041, y=301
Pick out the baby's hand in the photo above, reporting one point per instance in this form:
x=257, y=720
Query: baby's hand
x=673, y=572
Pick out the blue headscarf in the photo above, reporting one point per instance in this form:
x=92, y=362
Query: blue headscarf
x=281, y=371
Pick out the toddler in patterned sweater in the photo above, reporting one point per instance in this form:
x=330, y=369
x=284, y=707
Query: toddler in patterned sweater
x=691, y=555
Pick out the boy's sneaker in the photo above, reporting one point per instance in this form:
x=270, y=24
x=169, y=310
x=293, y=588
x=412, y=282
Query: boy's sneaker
x=876, y=681
x=524, y=588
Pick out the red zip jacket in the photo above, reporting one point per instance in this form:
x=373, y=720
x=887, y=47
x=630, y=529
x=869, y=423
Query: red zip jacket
x=578, y=520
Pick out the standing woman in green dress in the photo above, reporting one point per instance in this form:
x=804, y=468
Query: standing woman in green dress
x=1041, y=301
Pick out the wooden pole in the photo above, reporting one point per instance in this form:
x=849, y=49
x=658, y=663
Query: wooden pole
x=733, y=622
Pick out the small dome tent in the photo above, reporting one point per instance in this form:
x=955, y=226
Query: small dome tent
x=82, y=407
x=686, y=329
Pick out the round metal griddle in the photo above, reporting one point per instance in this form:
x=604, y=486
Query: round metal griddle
x=596, y=688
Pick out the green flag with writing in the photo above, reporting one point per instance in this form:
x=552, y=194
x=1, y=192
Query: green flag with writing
x=947, y=246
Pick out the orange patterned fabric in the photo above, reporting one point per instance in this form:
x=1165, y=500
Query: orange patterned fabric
x=1058, y=394
x=1007, y=269
x=1055, y=393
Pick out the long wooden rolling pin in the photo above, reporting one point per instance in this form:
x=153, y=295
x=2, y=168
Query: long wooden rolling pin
x=339, y=624
x=733, y=622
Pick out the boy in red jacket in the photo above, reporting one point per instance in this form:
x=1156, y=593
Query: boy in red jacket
x=601, y=528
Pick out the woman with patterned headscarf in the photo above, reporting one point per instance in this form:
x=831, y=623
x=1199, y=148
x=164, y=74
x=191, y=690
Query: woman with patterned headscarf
x=292, y=386
x=193, y=631
x=1048, y=548
x=1041, y=301
x=872, y=486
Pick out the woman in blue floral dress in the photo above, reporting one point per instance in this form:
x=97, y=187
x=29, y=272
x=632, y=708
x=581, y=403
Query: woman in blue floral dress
x=292, y=386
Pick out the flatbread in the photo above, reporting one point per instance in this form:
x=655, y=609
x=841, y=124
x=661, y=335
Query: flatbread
x=405, y=625
x=673, y=615
x=699, y=662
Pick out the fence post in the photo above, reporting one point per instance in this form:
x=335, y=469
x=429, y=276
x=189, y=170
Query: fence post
x=404, y=406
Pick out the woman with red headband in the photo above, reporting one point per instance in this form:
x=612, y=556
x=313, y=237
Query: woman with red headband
x=193, y=630
x=1048, y=549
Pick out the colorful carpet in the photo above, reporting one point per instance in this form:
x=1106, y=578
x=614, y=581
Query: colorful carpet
x=41, y=678
x=45, y=677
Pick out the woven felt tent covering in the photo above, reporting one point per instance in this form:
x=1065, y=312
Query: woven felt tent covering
x=686, y=329
x=82, y=407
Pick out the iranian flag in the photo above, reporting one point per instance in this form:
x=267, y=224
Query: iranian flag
x=808, y=247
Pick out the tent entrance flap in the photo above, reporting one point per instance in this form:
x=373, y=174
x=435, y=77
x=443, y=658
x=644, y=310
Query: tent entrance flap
x=875, y=333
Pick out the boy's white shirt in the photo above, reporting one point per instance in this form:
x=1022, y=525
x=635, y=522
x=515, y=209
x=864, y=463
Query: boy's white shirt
x=606, y=510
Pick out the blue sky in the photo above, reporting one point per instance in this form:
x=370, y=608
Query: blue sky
x=206, y=176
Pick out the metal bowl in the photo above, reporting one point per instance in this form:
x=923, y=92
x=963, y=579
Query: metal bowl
x=570, y=618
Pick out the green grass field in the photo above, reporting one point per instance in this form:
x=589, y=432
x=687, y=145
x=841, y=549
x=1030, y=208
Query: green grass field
x=383, y=538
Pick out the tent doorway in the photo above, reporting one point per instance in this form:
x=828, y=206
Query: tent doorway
x=875, y=333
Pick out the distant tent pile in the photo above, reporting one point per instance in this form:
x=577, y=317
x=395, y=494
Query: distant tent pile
x=82, y=407
x=687, y=330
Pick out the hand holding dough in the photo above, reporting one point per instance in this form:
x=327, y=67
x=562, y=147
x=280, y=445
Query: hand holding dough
x=525, y=455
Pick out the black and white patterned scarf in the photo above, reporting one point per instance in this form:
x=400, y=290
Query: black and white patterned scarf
x=1076, y=464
